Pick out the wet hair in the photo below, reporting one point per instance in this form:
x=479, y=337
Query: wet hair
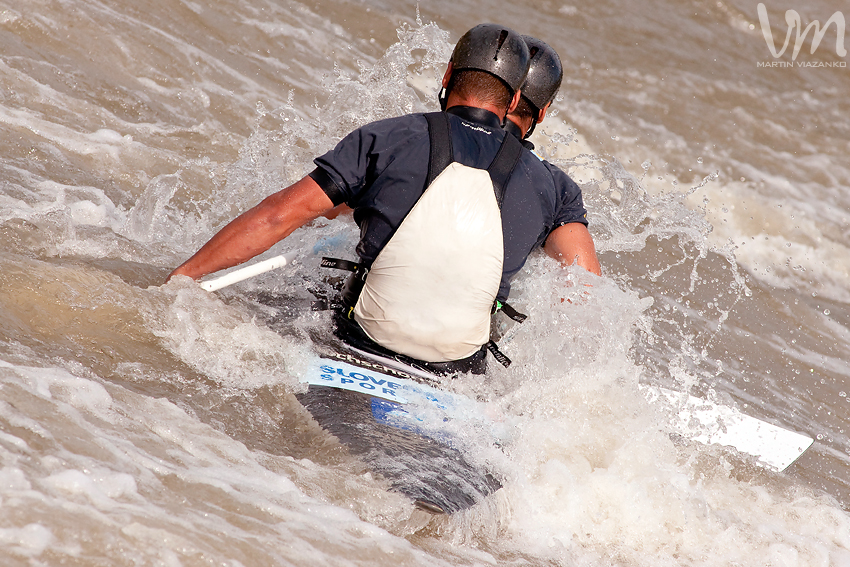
x=480, y=85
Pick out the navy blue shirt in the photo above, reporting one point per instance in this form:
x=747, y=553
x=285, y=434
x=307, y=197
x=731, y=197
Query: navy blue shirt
x=380, y=169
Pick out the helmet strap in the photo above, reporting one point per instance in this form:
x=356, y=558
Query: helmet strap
x=443, y=97
x=535, y=118
x=511, y=105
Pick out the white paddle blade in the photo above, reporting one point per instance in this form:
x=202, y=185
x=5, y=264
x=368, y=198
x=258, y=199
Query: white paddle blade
x=706, y=422
x=248, y=272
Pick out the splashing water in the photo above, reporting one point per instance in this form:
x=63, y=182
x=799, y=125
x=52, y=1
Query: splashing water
x=142, y=423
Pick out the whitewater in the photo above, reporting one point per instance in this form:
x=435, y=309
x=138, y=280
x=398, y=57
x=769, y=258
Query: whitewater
x=144, y=423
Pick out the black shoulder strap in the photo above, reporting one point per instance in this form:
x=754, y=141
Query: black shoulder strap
x=504, y=164
x=442, y=153
x=497, y=354
x=339, y=264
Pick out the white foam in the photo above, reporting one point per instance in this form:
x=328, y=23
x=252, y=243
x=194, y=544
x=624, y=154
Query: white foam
x=100, y=486
x=88, y=213
x=778, y=242
x=121, y=476
x=590, y=474
x=28, y=541
x=225, y=343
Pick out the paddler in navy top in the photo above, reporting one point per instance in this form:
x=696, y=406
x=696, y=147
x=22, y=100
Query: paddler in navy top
x=449, y=210
x=541, y=85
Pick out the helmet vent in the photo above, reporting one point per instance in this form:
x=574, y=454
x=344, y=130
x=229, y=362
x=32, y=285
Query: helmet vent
x=502, y=37
x=533, y=51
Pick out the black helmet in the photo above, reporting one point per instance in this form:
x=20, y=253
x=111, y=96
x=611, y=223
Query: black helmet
x=496, y=49
x=544, y=74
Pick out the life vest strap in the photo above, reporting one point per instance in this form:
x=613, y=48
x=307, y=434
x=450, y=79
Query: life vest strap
x=497, y=354
x=340, y=264
x=504, y=164
x=442, y=154
x=509, y=310
x=442, y=151
x=353, y=285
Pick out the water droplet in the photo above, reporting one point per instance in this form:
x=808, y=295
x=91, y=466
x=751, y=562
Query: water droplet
x=699, y=160
x=826, y=311
x=646, y=165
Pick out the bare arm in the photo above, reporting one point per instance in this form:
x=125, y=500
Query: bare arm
x=342, y=209
x=255, y=231
x=572, y=244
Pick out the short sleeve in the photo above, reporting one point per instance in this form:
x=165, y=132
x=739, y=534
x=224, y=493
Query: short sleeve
x=328, y=185
x=570, y=207
x=342, y=172
x=349, y=170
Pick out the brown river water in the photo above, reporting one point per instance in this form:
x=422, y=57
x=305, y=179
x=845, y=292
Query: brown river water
x=150, y=424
